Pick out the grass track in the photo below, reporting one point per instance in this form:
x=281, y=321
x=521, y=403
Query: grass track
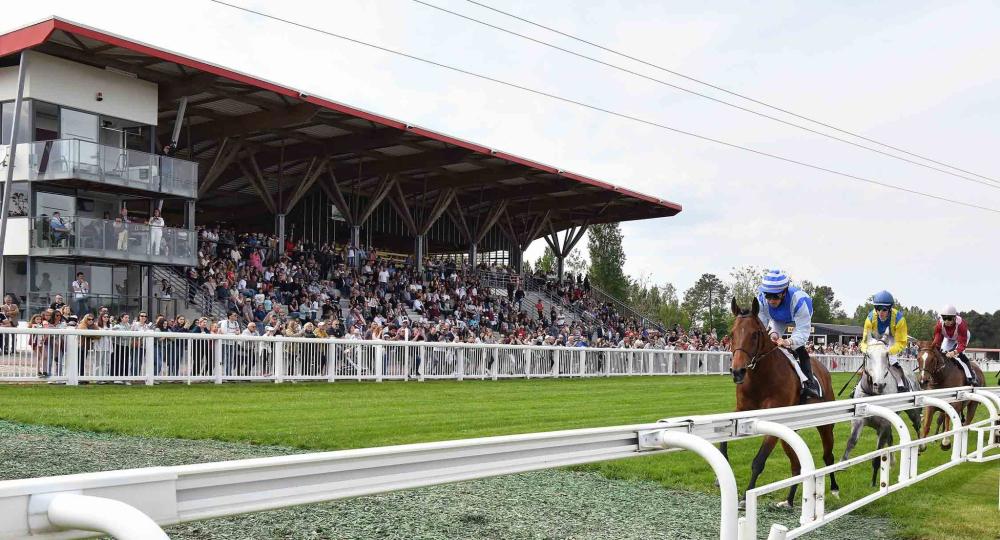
x=959, y=504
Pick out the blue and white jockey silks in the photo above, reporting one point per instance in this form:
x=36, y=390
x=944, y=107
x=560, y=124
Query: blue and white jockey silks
x=796, y=308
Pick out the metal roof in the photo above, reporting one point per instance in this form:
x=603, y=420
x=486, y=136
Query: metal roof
x=283, y=128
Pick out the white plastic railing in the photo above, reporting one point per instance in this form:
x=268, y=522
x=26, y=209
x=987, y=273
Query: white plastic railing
x=169, y=495
x=72, y=356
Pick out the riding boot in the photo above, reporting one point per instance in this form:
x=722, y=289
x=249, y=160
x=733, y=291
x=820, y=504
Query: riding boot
x=901, y=383
x=971, y=380
x=810, y=388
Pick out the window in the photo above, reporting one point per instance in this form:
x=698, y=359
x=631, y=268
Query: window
x=77, y=125
x=7, y=115
x=46, y=121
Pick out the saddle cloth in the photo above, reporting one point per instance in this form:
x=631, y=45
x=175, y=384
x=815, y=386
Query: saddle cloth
x=798, y=369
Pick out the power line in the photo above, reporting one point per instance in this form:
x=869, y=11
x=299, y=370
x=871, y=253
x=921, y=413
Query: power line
x=609, y=111
x=710, y=85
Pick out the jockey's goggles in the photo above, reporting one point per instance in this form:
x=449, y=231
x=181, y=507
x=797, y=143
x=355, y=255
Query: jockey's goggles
x=773, y=296
x=883, y=308
x=948, y=318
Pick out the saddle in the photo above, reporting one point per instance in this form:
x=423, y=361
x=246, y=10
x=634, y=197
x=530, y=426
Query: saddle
x=798, y=370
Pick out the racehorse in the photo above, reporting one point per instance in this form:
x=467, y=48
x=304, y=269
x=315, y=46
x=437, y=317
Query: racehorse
x=876, y=381
x=765, y=379
x=938, y=371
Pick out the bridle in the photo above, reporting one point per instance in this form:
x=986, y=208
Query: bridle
x=869, y=373
x=922, y=357
x=754, y=358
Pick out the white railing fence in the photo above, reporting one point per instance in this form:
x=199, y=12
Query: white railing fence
x=130, y=503
x=74, y=356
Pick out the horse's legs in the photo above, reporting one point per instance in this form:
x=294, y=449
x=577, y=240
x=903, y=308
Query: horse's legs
x=856, y=426
x=884, y=439
x=946, y=442
x=826, y=435
x=796, y=470
x=724, y=450
x=926, y=427
x=757, y=467
x=914, y=415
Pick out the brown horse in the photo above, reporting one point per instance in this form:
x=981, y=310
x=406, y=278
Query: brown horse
x=765, y=379
x=939, y=371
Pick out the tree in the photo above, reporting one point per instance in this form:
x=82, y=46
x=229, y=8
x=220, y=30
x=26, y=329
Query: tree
x=984, y=328
x=546, y=264
x=707, y=304
x=826, y=307
x=920, y=322
x=607, y=259
x=743, y=283
x=576, y=264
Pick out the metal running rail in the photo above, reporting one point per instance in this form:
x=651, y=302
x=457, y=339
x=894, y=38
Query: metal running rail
x=40, y=507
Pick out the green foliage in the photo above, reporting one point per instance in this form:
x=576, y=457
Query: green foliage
x=707, y=304
x=576, y=264
x=985, y=328
x=826, y=307
x=743, y=283
x=607, y=259
x=546, y=264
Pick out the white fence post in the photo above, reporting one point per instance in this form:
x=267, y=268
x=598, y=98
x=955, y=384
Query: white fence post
x=378, y=363
x=331, y=363
x=217, y=360
x=71, y=361
x=459, y=363
x=150, y=359
x=583, y=362
x=422, y=361
x=279, y=361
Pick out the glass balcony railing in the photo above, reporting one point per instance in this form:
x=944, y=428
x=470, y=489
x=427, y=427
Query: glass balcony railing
x=105, y=238
x=64, y=159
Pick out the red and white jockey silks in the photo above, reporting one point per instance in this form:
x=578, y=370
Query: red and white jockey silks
x=954, y=338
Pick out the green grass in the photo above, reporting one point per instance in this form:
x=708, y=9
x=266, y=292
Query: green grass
x=959, y=504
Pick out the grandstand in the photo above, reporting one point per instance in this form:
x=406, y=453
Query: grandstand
x=145, y=129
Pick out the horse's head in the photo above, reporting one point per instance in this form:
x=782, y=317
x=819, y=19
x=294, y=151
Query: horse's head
x=929, y=362
x=877, y=364
x=749, y=340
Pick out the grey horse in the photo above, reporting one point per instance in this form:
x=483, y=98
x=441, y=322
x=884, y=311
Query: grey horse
x=877, y=381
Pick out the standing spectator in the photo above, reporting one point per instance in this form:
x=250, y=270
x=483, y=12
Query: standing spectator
x=122, y=227
x=229, y=327
x=155, y=232
x=81, y=290
x=102, y=346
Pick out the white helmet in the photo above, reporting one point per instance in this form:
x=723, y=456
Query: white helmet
x=949, y=310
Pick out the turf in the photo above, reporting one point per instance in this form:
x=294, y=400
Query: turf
x=959, y=504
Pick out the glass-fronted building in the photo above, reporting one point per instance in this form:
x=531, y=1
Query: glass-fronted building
x=87, y=183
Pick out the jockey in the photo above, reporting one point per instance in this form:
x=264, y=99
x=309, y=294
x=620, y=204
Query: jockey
x=952, y=334
x=783, y=305
x=886, y=320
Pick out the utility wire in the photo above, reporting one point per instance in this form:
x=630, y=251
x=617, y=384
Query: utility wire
x=609, y=111
x=994, y=185
x=705, y=83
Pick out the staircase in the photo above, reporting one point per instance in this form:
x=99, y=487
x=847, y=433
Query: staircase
x=182, y=286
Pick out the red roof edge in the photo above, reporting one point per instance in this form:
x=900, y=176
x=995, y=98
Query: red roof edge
x=36, y=34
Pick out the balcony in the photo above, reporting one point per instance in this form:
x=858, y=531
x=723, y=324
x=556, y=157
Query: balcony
x=103, y=238
x=68, y=159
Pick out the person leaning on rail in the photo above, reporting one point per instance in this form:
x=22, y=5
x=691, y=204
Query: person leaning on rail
x=781, y=305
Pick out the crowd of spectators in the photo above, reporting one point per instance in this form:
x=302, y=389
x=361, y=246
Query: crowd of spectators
x=319, y=291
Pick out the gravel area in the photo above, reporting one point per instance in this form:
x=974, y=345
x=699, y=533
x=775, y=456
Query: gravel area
x=541, y=505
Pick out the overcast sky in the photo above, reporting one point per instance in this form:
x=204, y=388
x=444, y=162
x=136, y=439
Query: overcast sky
x=919, y=75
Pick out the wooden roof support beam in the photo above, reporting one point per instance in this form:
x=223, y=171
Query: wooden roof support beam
x=497, y=210
x=458, y=218
x=442, y=204
x=332, y=190
x=403, y=209
x=224, y=157
x=256, y=180
x=308, y=181
x=253, y=122
x=385, y=185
